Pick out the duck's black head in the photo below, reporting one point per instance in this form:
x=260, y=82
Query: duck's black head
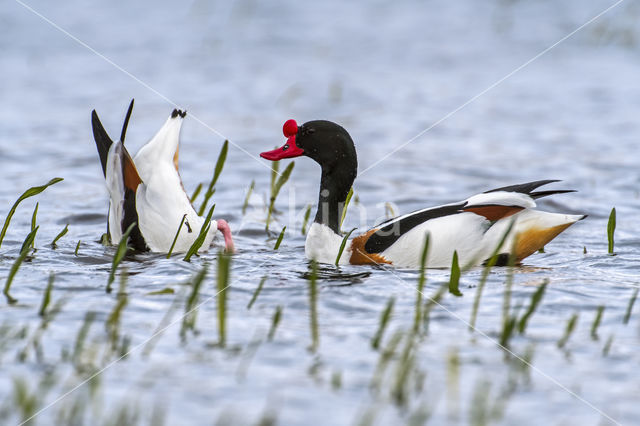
x=329, y=145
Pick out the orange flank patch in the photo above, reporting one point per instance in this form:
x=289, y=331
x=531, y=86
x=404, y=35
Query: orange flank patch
x=129, y=171
x=359, y=256
x=494, y=213
x=175, y=158
x=533, y=239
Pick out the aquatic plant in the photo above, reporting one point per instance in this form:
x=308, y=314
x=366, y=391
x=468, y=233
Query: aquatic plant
x=202, y=235
x=121, y=251
x=190, y=307
x=256, y=292
x=313, y=308
x=224, y=262
x=276, y=186
x=28, y=193
x=60, y=235
x=280, y=238
x=46, y=296
x=596, y=322
x=222, y=157
x=627, y=314
x=454, y=280
x=385, y=316
x=247, y=197
x=173, y=243
x=571, y=325
x=420, y=286
x=343, y=244
x=346, y=206
x=305, y=220
x=274, y=322
x=611, y=228
x=24, y=251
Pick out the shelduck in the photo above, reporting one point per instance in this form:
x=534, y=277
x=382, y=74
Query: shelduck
x=147, y=190
x=473, y=227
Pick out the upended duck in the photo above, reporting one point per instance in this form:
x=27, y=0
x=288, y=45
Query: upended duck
x=147, y=190
x=473, y=227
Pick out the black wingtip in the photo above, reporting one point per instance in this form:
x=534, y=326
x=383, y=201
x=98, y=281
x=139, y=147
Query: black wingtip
x=103, y=141
x=540, y=194
x=178, y=112
x=126, y=122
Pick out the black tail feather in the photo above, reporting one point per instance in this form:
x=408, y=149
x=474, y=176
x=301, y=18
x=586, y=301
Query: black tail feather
x=126, y=122
x=103, y=141
x=525, y=188
x=540, y=194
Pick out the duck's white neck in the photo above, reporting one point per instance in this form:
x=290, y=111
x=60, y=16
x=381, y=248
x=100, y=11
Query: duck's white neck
x=323, y=245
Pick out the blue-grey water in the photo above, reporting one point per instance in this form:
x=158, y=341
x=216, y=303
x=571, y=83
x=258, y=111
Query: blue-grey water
x=386, y=71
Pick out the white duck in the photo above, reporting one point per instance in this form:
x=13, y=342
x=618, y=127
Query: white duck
x=147, y=190
x=473, y=227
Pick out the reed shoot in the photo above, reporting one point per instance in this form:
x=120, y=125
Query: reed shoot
x=421, y=282
x=536, y=297
x=28, y=193
x=223, y=283
x=343, y=244
x=121, y=251
x=274, y=322
x=454, y=280
x=173, y=244
x=596, y=323
x=571, y=325
x=305, y=221
x=276, y=187
x=196, y=192
x=256, y=292
x=277, y=246
x=222, y=157
x=46, y=297
x=346, y=205
x=60, y=235
x=204, y=230
x=611, y=228
x=627, y=314
x=313, y=300
x=24, y=251
x=248, y=196
x=385, y=316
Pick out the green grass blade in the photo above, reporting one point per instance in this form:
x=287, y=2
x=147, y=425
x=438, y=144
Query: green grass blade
x=536, y=297
x=346, y=205
x=385, y=316
x=222, y=157
x=421, y=282
x=305, y=221
x=277, y=246
x=275, y=189
x=256, y=292
x=26, y=245
x=485, y=274
x=204, y=230
x=224, y=260
x=343, y=244
x=121, y=251
x=571, y=325
x=60, y=235
x=596, y=322
x=611, y=228
x=277, y=315
x=46, y=297
x=627, y=314
x=196, y=192
x=454, y=280
x=33, y=220
x=75, y=252
x=173, y=244
x=275, y=167
x=313, y=300
x=248, y=196
x=28, y=193
x=190, y=308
